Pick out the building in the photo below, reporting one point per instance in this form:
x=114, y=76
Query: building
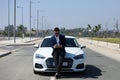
x=11, y=28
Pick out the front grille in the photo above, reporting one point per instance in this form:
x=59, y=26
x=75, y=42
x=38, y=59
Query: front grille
x=50, y=63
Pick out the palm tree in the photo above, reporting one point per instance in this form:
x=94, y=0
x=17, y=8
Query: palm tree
x=89, y=27
x=97, y=28
x=89, y=30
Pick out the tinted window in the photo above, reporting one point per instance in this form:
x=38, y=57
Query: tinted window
x=69, y=42
x=46, y=43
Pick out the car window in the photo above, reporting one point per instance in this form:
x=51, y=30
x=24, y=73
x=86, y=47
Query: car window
x=70, y=42
x=46, y=43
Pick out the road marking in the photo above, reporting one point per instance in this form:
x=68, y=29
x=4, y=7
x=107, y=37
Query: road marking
x=52, y=78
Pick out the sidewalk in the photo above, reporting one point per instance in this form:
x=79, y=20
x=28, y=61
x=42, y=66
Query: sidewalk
x=19, y=42
x=107, y=49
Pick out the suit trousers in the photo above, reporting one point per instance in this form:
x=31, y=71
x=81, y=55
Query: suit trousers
x=58, y=59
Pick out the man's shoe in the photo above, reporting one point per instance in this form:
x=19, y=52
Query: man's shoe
x=57, y=76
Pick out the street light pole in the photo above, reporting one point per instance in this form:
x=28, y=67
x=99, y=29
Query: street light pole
x=8, y=19
x=30, y=20
x=14, y=21
x=22, y=13
x=42, y=22
x=22, y=19
x=37, y=22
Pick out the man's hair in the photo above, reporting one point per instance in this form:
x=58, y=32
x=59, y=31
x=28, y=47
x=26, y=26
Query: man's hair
x=56, y=29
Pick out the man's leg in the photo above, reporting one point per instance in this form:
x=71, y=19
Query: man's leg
x=59, y=66
x=55, y=56
x=61, y=57
x=58, y=58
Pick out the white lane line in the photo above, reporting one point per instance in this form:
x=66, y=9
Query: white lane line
x=52, y=78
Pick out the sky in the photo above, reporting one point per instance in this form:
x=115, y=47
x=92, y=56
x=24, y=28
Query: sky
x=62, y=13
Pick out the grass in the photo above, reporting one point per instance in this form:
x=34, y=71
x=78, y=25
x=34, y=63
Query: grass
x=111, y=40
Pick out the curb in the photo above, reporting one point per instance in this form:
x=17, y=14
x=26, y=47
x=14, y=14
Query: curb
x=5, y=54
x=24, y=44
x=21, y=44
x=8, y=52
x=31, y=40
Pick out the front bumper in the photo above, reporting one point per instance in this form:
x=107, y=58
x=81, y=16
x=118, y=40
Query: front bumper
x=47, y=65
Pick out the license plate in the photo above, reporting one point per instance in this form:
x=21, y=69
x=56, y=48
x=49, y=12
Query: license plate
x=64, y=64
x=53, y=64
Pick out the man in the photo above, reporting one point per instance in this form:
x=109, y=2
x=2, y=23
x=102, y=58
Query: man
x=58, y=45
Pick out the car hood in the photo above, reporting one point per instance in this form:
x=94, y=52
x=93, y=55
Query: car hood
x=70, y=52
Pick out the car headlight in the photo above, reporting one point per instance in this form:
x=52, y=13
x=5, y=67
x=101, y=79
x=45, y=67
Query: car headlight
x=39, y=56
x=81, y=56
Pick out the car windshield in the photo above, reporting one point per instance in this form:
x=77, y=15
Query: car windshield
x=70, y=42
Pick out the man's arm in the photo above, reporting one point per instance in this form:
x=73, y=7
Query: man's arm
x=54, y=45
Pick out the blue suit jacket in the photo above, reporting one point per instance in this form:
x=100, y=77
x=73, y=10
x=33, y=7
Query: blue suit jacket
x=61, y=42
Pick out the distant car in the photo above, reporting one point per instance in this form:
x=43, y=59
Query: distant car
x=74, y=59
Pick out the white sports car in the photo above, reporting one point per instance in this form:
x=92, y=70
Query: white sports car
x=74, y=59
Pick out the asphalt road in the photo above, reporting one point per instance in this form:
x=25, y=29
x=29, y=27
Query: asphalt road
x=9, y=48
x=18, y=66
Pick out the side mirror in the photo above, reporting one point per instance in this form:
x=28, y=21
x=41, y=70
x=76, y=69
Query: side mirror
x=82, y=46
x=36, y=46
